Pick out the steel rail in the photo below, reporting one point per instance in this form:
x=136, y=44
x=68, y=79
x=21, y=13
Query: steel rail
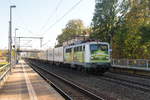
x=67, y=97
x=129, y=74
x=128, y=83
x=87, y=92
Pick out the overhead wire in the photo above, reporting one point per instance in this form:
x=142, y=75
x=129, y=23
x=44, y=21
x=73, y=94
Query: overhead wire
x=57, y=21
x=46, y=43
x=27, y=43
x=9, y=1
x=25, y=28
x=50, y=16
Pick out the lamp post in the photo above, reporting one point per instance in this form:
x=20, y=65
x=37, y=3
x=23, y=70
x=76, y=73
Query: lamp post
x=10, y=35
x=16, y=60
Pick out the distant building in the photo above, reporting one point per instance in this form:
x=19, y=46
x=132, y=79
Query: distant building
x=98, y=1
x=76, y=39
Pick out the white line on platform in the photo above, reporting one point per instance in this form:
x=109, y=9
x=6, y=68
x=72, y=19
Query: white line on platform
x=31, y=91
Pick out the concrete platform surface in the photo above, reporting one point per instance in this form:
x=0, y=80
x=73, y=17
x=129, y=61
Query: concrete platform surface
x=25, y=84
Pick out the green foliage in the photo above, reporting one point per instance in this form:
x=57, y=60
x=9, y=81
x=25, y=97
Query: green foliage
x=106, y=19
x=73, y=28
x=137, y=21
x=146, y=36
x=126, y=25
x=119, y=42
x=145, y=42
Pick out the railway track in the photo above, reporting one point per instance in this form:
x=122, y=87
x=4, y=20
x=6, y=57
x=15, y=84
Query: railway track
x=129, y=74
x=84, y=94
x=124, y=80
x=127, y=82
x=66, y=96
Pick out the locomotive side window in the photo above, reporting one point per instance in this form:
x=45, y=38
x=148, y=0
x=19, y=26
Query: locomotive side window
x=84, y=48
x=77, y=49
x=68, y=50
x=80, y=48
x=74, y=49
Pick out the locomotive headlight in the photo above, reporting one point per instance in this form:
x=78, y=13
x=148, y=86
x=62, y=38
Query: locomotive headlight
x=92, y=57
x=107, y=57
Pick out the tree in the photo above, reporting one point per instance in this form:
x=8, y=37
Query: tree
x=125, y=25
x=119, y=42
x=137, y=19
x=73, y=28
x=107, y=15
x=108, y=21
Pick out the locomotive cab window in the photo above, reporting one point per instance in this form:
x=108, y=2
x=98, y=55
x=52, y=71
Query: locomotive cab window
x=104, y=47
x=97, y=47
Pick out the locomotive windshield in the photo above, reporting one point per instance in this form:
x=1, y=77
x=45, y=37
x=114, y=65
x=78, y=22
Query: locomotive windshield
x=99, y=53
x=97, y=47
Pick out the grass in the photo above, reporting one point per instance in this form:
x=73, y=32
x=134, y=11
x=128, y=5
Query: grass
x=3, y=63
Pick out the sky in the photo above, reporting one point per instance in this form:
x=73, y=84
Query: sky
x=38, y=18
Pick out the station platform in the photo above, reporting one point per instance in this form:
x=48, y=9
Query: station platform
x=25, y=84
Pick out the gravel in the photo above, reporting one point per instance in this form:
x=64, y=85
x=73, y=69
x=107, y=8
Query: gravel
x=141, y=80
x=97, y=83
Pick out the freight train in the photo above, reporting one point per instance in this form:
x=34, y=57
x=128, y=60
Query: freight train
x=89, y=56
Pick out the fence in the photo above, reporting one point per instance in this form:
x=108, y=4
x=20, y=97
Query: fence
x=4, y=69
x=136, y=63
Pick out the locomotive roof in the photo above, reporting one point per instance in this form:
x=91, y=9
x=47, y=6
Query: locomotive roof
x=93, y=42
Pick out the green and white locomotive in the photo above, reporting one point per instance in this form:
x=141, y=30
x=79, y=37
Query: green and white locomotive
x=88, y=55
